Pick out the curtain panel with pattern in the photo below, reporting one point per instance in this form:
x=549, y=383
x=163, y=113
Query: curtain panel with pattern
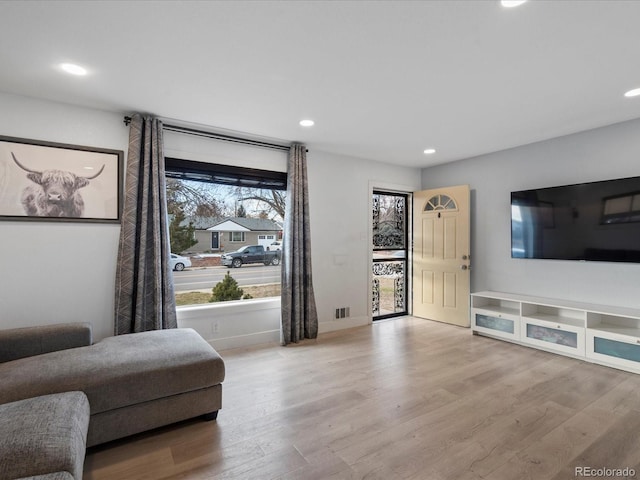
x=299, y=315
x=144, y=285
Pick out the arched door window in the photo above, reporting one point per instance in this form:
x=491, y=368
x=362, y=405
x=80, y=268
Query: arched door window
x=440, y=202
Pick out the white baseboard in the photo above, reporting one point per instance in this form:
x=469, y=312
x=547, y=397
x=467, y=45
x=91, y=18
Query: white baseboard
x=273, y=336
x=342, y=324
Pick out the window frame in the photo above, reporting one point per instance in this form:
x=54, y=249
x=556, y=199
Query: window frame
x=234, y=240
x=230, y=176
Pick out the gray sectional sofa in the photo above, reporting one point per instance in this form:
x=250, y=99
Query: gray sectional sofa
x=44, y=437
x=132, y=382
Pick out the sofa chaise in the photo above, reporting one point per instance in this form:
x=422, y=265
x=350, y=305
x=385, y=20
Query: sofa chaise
x=133, y=382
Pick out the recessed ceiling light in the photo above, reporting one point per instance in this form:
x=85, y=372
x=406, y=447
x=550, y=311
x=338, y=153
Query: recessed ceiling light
x=633, y=93
x=307, y=123
x=429, y=151
x=73, y=69
x=512, y=3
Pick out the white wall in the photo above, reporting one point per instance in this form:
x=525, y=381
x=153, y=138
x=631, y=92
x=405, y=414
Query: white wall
x=201, y=149
x=340, y=210
x=234, y=324
x=340, y=205
x=61, y=272
x=58, y=272
x=600, y=154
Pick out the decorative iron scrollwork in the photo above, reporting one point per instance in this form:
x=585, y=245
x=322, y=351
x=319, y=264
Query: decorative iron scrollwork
x=389, y=224
x=389, y=214
x=388, y=268
x=375, y=303
x=399, y=294
x=399, y=212
x=376, y=213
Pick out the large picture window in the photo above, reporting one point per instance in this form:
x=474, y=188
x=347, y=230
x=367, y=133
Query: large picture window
x=215, y=211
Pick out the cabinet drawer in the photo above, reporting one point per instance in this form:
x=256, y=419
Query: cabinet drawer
x=496, y=324
x=554, y=336
x=613, y=349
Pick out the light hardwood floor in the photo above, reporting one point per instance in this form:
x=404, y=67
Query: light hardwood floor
x=402, y=399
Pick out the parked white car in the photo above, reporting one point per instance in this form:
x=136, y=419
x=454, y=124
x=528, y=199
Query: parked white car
x=178, y=263
x=275, y=246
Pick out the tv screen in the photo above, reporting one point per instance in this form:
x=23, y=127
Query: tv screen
x=597, y=221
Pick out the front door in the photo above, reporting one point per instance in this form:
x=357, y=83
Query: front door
x=441, y=255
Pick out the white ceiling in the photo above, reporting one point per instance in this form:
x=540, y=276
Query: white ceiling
x=382, y=79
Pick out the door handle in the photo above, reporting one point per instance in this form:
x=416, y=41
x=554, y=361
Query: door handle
x=464, y=267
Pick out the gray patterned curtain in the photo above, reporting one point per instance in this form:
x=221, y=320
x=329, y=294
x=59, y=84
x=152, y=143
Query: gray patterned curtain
x=299, y=316
x=144, y=285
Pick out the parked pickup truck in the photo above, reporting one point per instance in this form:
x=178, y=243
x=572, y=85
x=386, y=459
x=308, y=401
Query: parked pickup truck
x=250, y=254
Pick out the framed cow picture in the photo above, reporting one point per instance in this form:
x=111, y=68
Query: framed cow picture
x=48, y=181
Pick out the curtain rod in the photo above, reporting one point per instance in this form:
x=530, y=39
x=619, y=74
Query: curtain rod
x=217, y=136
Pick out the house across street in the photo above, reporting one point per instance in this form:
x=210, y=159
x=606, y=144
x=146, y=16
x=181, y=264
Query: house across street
x=230, y=233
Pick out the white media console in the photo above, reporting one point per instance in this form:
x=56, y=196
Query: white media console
x=595, y=333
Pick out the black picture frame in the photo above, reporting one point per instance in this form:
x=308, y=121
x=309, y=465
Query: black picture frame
x=58, y=182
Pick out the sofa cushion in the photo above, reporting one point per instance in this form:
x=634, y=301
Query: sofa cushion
x=118, y=371
x=44, y=435
x=28, y=341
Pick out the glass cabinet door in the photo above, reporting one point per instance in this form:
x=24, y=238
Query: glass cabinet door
x=499, y=325
x=613, y=348
x=553, y=336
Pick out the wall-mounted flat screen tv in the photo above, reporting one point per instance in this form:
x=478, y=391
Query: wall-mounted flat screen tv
x=597, y=221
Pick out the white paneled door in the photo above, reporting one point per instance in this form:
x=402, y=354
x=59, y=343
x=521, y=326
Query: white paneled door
x=441, y=254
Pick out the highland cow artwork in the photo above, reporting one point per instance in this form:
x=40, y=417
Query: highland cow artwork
x=57, y=182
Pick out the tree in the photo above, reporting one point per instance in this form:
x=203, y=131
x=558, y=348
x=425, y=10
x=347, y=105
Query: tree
x=208, y=210
x=213, y=200
x=226, y=289
x=181, y=237
x=197, y=198
x=276, y=200
x=241, y=212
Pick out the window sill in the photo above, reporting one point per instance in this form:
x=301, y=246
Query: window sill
x=235, y=306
